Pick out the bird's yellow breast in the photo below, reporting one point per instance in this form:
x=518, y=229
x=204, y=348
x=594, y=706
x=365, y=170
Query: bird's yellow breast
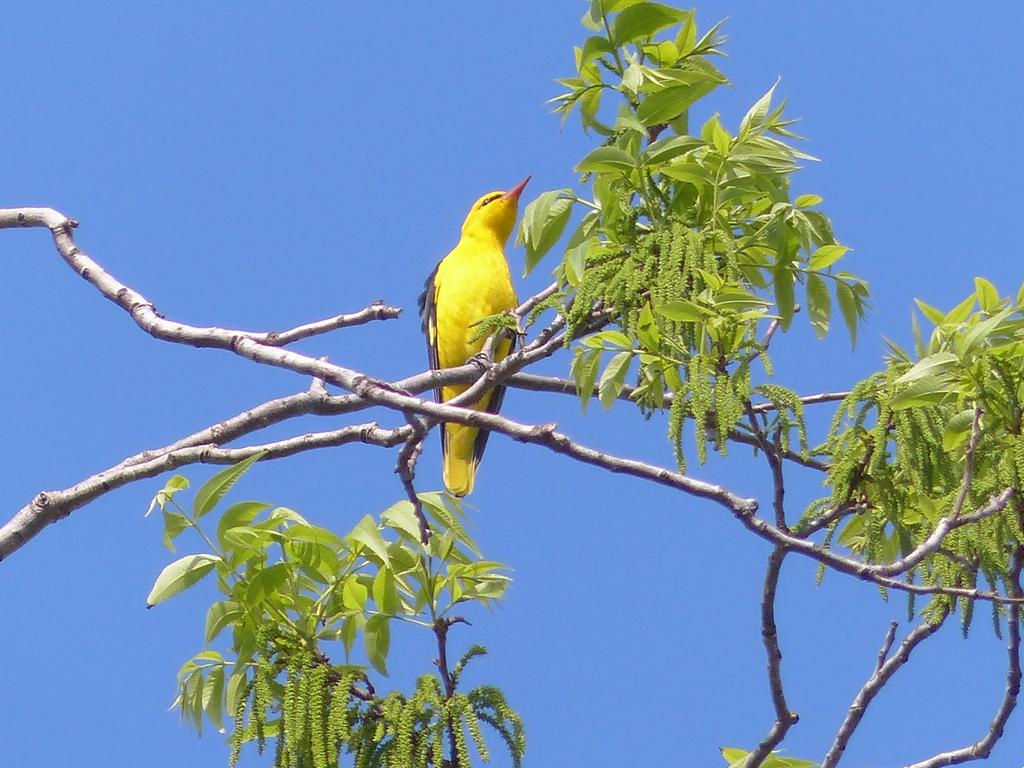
x=472, y=282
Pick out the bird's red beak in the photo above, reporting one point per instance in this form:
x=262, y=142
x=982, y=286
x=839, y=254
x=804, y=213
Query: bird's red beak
x=517, y=190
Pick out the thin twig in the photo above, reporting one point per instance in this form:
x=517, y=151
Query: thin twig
x=405, y=468
x=968, y=477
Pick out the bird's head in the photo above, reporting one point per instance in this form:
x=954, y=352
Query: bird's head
x=494, y=214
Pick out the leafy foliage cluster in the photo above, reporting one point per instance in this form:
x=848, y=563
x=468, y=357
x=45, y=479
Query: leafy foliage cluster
x=690, y=242
x=290, y=613
x=902, y=442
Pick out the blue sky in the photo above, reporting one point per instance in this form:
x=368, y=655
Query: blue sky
x=267, y=167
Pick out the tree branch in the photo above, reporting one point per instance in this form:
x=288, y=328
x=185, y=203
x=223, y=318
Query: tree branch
x=784, y=718
x=49, y=506
x=884, y=670
x=982, y=748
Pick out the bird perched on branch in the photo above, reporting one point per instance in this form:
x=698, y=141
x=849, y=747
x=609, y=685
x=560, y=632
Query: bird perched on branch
x=470, y=283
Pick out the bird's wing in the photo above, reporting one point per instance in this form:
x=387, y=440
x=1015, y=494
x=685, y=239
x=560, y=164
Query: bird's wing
x=428, y=314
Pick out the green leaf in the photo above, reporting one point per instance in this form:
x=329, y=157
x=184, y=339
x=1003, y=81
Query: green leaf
x=784, y=299
x=367, y=534
x=826, y=256
x=957, y=430
x=314, y=535
x=665, y=105
x=819, y=305
x=611, y=336
x=593, y=48
x=686, y=38
x=981, y=331
x=215, y=488
x=988, y=296
x=692, y=173
x=385, y=596
x=714, y=133
x=734, y=756
x=192, y=700
x=174, y=524
x=377, y=639
x=642, y=20
x=613, y=378
x=756, y=115
x=664, y=53
x=235, y=691
x=354, y=593
x=930, y=390
x=401, y=516
x=647, y=329
x=165, y=494
x=349, y=629
x=219, y=615
x=934, y=316
x=807, y=201
x=664, y=150
x=584, y=370
x=242, y=513
x=543, y=222
x=180, y=575
x=267, y=582
x=934, y=365
x=434, y=504
x=775, y=760
x=213, y=697
x=682, y=311
x=849, y=306
x=246, y=540
x=961, y=311
x=607, y=159
x=576, y=262
x=631, y=81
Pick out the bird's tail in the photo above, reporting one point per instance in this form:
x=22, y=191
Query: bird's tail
x=459, y=461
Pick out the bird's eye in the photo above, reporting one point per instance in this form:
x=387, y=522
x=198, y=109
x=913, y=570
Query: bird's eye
x=489, y=200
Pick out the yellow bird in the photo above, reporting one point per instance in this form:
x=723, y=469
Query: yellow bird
x=470, y=283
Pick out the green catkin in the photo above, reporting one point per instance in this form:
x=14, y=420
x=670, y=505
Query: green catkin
x=501, y=718
x=788, y=404
x=439, y=740
x=455, y=708
x=701, y=398
x=724, y=411
x=731, y=262
x=316, y=714
x=966, y=616
x=422, y=751
x=709, y=260
x=291, y=731
x=403, y=733
x=238, y=732
x=261, y=701
x=478, y=738
x=279, y=751
x=337, y=717
x=880, y=439
x=553, y=302
x=300, y=745
x=677, y=414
